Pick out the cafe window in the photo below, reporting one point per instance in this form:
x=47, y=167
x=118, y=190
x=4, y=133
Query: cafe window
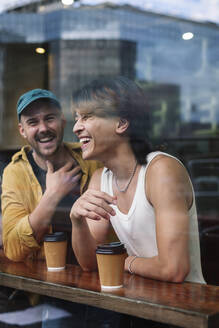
x=173, y=57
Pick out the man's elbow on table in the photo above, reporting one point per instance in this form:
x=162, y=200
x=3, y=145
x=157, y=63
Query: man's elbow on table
x=175, y=273
x=15, y=252
x=13, y=255
x=87, y=269
x=87, y=265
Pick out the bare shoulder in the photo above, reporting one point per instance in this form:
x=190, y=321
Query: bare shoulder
x=166, y=165
x=96, y=179
x=167, y=173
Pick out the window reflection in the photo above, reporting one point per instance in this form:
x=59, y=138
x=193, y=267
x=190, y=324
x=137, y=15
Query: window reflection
x=178, y=71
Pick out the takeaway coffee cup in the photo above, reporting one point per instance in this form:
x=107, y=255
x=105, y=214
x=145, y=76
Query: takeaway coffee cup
x=110, y=260
x=55, y=248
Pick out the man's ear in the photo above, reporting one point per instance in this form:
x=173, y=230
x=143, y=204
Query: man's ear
x=21, y=130
x=122, y=125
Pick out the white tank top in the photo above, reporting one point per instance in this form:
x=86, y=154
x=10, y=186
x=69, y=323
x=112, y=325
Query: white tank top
x=137, y=229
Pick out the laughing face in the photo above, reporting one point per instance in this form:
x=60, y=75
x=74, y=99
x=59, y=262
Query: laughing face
x=43, y=127
x=97, y=135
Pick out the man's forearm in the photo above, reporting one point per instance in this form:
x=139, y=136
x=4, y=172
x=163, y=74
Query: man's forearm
x=154, y=268
x=84, y=245
x=40, y=218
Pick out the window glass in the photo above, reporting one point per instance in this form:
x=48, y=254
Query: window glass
x=171, y=52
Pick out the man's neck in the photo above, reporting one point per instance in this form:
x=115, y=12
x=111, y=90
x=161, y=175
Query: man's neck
x=58, y=159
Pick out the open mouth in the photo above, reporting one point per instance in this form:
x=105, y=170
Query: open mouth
x=45, y=138
x=84, y=141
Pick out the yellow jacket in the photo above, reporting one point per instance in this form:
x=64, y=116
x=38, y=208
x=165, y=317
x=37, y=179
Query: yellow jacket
x=21, y=193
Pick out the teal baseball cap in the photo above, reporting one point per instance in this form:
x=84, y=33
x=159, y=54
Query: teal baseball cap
x=32, y=95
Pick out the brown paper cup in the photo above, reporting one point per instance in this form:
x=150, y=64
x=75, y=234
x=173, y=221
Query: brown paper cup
x=110, y=260
x=55, y=248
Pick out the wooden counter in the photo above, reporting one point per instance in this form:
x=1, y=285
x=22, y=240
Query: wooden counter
x=185, y=305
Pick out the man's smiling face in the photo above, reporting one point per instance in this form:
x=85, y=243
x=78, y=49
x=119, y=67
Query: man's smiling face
x=96, y=134
x=42, y=126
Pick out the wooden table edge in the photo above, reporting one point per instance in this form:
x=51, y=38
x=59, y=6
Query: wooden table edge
x=156, y=312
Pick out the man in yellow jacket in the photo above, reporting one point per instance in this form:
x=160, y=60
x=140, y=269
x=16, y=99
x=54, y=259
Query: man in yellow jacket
x=43, y=179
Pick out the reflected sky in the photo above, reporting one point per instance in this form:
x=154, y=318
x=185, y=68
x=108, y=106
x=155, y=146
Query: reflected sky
x=203, y=10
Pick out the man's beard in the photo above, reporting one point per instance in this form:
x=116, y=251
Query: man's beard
x=44, y=135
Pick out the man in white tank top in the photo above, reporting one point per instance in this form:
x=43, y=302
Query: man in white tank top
x=147, y=196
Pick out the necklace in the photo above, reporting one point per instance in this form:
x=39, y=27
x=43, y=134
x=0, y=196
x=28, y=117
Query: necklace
x=128, y=183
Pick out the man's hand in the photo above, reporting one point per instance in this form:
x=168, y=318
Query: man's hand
x=62, y=181
x=58, y=185
x=93, y=204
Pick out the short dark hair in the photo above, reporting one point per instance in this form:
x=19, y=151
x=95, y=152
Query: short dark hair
x=120, y=97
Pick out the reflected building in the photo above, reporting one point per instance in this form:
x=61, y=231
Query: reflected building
x=87, y=42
